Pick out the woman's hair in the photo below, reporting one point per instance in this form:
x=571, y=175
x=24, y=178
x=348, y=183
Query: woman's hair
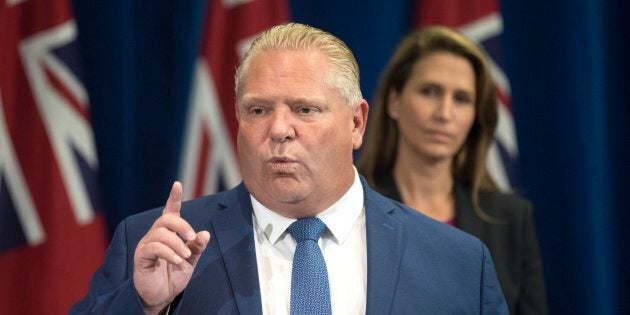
x=469, y=168
x=294, y=36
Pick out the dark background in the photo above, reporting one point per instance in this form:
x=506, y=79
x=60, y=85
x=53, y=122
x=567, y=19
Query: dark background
x=566, y=61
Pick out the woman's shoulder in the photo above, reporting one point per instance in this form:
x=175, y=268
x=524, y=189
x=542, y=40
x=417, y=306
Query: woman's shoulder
x=507, y=207
x=504, y=200
x=502, y=205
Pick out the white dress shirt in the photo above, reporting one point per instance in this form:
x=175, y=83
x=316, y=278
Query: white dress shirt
x=343, y=245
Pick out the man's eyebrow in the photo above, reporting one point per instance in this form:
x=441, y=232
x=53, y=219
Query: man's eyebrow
x=306, y=101
x=253, y=99
x=249, y=99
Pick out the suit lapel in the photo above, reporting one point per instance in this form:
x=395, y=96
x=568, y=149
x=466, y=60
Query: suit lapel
x=384, y=250
x=232, y=229
x=233, y=232
x=467, y=219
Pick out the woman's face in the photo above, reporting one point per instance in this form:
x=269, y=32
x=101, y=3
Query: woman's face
x=436, y=108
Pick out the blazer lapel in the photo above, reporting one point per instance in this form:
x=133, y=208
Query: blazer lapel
x=384, y=251
x=467, y=219
x=233, y=232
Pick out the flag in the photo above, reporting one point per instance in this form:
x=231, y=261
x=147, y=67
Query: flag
x=481, y=21
x=208, y=162
x=53, y=238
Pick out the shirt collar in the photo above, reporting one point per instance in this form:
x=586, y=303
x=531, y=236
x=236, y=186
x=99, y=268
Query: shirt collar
x=339, y=218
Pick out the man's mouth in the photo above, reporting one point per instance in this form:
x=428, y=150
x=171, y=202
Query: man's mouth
x=282, y=165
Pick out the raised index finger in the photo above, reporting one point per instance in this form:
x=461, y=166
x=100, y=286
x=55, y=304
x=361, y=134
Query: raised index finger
x=174, y=202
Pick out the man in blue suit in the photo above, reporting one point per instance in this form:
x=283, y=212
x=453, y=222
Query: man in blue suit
x=300, y=114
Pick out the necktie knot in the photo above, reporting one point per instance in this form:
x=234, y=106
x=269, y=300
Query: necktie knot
x=307, y=229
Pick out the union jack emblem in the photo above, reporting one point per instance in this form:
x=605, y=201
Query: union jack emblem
x=61, y=105
x=53, y=236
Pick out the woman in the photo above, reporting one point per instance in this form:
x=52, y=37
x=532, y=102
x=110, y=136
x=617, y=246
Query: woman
x=433, y=122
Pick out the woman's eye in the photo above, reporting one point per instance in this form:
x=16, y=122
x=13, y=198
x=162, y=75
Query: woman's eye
x=429, y=90
x=463, y=98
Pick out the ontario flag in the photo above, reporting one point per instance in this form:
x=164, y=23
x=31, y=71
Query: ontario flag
x=481, y=21
x=208, y=161
x=52, y=236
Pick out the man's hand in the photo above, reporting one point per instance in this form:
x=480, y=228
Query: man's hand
x=167, y=255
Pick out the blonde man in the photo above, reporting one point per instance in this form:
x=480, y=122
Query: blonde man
x=303, y=233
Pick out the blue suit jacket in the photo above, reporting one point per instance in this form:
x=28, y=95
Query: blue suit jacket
x=415, y=265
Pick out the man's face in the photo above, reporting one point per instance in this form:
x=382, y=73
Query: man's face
x=296, y=133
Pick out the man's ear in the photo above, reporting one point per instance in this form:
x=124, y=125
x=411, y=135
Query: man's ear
x=359, y=122
x=238, y=112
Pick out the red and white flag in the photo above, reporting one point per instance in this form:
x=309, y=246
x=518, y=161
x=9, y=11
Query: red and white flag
x=481, y=21
x=208, y=161
x=53, y=238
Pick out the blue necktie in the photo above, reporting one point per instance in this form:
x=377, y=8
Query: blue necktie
x=309, y=278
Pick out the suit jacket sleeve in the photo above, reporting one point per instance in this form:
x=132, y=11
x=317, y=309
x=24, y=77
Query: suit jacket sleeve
x=492, y=300
x=111, y=289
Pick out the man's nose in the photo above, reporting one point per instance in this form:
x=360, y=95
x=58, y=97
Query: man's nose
x=282, y=126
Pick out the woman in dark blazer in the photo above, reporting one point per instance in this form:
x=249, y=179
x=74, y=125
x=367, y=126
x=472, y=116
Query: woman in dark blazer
x=428, y=138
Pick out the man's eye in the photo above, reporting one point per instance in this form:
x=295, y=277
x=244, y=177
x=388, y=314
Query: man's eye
x=306, y=110
x=256, y=111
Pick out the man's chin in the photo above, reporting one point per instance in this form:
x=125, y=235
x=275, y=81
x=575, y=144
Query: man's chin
x=287, y=191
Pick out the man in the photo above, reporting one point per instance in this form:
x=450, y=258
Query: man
x=300, y=115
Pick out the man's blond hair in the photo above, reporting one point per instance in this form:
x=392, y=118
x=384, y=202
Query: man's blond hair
x=294, y=36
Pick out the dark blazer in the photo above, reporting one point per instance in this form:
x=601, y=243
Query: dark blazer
x=415, y=265
x=512, y=243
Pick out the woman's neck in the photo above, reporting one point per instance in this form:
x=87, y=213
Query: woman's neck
x=426, y=186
